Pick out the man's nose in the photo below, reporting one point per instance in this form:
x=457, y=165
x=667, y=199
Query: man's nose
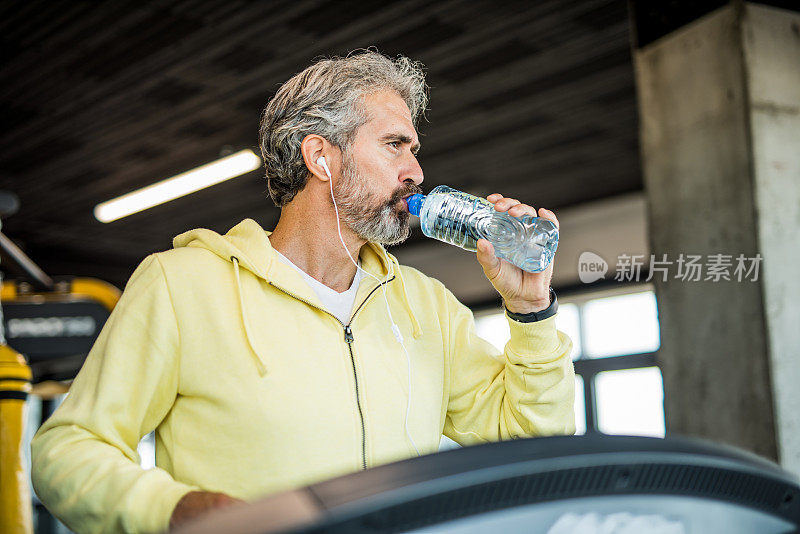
x=412, y=170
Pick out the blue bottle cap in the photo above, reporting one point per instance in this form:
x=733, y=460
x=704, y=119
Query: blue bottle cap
x=414, y=203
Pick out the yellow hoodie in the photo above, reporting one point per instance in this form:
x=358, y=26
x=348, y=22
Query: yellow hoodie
x=253, y=388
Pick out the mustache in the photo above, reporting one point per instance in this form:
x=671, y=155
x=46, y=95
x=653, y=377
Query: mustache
x=412, y=189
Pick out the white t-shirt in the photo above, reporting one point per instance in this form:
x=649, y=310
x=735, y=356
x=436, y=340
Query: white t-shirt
x=339, y=304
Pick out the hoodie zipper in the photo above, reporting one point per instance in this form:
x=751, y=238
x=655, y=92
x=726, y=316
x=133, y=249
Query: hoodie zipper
x=348, y=338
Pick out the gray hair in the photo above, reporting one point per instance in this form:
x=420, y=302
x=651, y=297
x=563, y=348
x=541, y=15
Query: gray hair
x=324, y=99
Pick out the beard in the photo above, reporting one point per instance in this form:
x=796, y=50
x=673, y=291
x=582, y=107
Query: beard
x=371, y=218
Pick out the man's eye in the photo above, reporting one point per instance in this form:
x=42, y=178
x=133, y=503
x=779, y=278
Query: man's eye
x=394, y=144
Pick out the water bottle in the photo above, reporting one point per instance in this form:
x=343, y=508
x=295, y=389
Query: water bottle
x=461, y=219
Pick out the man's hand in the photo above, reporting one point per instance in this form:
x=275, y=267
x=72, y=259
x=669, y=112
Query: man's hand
x=522, y=292
x=196, y=503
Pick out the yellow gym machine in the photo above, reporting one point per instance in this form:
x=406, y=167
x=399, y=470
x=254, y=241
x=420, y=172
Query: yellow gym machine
x=53, y=324
x=15, y=499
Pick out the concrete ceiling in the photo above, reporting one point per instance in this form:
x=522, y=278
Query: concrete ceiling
x=532, y=99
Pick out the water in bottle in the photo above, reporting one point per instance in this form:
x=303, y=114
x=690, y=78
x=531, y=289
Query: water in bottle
x=461, y=219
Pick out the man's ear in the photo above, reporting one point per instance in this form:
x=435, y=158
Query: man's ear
x=314, y=147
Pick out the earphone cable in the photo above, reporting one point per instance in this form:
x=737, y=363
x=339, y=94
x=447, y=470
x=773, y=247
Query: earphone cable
x=395, y=328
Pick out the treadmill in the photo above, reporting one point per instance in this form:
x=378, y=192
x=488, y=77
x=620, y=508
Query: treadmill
x=593, y=483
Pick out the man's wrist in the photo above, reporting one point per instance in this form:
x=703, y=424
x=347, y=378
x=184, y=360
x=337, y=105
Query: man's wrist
x=196, y=503
x=535, y=313
x=523, y=307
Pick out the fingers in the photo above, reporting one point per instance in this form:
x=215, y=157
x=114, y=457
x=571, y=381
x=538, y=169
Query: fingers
x=502, y=203
x=514, y=207
x=521, y=210
x=487, y=259
x=549, y=215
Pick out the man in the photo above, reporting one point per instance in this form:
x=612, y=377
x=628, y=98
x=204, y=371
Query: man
x=266, y=361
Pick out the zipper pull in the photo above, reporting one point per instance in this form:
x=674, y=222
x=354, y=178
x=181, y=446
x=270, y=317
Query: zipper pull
x=348, y=334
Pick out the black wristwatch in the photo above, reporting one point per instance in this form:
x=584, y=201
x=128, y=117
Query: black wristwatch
x=537, y=316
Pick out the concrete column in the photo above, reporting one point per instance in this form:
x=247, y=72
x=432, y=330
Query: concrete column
x=719, y=103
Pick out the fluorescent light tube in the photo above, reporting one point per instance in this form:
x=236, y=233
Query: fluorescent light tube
x=185, y=183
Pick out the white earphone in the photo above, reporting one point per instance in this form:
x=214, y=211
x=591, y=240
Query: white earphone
x=324, y=164
x=395, y=329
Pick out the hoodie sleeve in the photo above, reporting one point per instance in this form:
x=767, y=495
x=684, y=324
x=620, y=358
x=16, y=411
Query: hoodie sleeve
x=84, y=460
x=527, y=391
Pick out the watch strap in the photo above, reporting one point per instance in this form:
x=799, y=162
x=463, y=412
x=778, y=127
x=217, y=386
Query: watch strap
x=537, y=316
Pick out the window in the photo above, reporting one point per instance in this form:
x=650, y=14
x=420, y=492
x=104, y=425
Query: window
x=630, y=401
x=579, y=407
x=569, y=322
x=615, y=333
x=147, y=451
x=622, y=324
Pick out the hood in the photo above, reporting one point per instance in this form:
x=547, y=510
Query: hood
x=247, y=246
x=249, y=243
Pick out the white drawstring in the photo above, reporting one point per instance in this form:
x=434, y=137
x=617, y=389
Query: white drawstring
x=259, y=363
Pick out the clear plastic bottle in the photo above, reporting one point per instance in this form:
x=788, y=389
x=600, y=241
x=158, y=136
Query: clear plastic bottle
x=461, y=219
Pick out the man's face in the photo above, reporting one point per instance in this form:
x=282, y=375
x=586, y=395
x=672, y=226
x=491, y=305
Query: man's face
x=379, y=169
